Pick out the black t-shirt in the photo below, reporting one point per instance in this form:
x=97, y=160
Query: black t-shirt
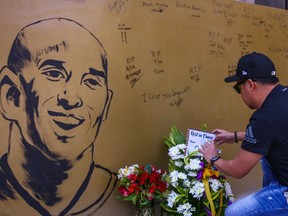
x=267, y=132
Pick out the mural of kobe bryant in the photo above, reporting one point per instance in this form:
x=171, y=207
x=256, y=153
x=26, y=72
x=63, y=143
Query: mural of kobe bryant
x=54, y=93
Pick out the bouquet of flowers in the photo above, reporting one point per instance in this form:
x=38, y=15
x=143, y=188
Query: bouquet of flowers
x=195, y=188
x=141, y=184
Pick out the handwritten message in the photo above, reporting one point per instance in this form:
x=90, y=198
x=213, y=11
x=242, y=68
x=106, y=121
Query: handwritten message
x=226, y=10
x=158, y=62
x=194, y=72
x=196, y=10
x=173, y=98
x=154, y=6
x=116, y=5
x=133, y=74
x=196, y=138
x=219, y=43
x=124, y=32
x=245, y=41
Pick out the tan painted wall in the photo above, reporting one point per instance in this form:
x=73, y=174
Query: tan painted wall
x=166, y=65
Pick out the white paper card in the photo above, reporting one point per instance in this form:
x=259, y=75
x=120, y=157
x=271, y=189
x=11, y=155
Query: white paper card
x=196, y=138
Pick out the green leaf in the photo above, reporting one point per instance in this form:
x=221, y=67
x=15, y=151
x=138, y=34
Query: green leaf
x=187, y=158
x=202, y=214
x=167, y=178
x=143, y=203
x=166, y=193
x=148, y=168
x=134, y=199
x=214, y=196
x=179, y=197
x=204, y=127
x=167, y=208
x=168, y=142
x=178, y=137
x=129, y=198
x=206, y=204
x=182, y=191
x=175, y=137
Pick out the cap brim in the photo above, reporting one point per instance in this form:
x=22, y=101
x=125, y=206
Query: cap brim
x=232, y=79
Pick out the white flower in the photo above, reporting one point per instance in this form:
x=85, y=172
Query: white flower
x=178, y=163
x=184, y=207
x=229, y=192
x=123, y=172
x=197, y=190
x=186, y=183
x=133, y=169
x=177, y=152
x=126, y=171
x=174, y=153
x=182, y=176
x=182, y=146
x=228, y=189
x=174, y=184
x=171, y=199
x=215, y=184
x=194, y=164
x=192, y=174
x=174, y=178
x=187, y=213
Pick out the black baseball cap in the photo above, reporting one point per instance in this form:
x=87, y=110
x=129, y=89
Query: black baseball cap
x=253, y=65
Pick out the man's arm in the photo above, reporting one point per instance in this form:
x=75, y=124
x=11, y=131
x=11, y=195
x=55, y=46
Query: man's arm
x=240, y=166
x=223, y=136
x=237, y=167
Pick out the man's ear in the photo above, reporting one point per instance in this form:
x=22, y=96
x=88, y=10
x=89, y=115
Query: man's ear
x=251, y=84
x=107, y=105
x=9, y=93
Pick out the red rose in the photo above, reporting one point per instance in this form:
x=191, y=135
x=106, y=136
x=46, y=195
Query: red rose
x=123, y=191
x=154, y=177
x=143, y=178
x=152, y=189
x=162, y=186
x=133, y=188
x=132, y=178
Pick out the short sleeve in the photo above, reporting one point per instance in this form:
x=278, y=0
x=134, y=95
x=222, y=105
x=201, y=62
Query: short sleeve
x=258, y=137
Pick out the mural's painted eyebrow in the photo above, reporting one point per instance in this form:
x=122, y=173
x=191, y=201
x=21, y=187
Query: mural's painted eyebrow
x=52, y=62
x=97, y=73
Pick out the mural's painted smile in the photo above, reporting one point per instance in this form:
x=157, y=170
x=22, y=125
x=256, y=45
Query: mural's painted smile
x=66, y=121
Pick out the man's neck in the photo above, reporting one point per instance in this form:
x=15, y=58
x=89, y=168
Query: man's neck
x=264, y=92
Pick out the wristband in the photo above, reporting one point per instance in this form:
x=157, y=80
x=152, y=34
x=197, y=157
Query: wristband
x=235, y=137
x=214, y=159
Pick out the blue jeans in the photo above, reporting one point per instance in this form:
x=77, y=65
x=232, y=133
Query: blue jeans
x=269, y=201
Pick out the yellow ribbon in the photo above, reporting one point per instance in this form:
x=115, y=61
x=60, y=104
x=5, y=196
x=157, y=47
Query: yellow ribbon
x=221, y=203
x=208, y=172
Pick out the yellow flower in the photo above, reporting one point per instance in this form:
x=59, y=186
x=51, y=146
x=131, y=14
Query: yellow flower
x=209, y=172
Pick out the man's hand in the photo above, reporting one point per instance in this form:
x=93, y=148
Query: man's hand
x=223, y=136
x=208, y=150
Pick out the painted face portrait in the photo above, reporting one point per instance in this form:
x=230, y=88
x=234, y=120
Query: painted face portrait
x=63, y=86
x=54, y=94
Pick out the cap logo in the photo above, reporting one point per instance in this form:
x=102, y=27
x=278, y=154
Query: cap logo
x=244, y=73
x=273, y=73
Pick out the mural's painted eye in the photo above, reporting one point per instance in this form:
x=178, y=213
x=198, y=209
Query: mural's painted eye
x=53, y=75
x=92, y=83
